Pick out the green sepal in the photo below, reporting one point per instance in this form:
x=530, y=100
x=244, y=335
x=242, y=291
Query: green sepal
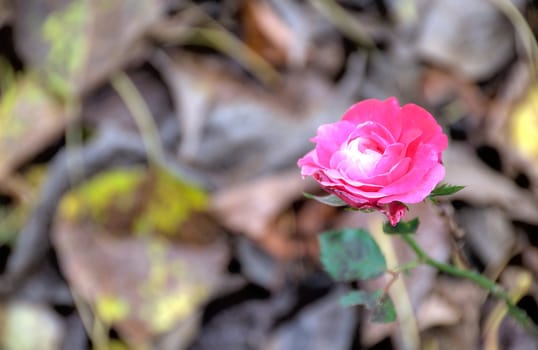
x=444, y=190
x=402, y=228
x=330, y=200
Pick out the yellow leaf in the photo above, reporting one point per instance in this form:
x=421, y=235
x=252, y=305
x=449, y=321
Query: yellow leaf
x=524, y=125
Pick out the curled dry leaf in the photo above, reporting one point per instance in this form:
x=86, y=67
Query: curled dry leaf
x=258, y=209
x=70, y=42
x=251, y=207
x=464, y=47
x=236, y=131
x=27, y=112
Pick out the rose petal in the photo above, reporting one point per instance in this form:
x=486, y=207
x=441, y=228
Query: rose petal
x=308, y=164
x=416, y=117
x=424, y=160
x=419, y=193
x=375, y=133
x=391, y=156
x=385, y=113
x=329, y=139
x=398, y=170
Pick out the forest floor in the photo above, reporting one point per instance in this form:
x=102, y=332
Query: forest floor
x=149, y=191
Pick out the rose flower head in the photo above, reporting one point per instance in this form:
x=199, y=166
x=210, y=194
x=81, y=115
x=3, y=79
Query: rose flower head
x=378, y=156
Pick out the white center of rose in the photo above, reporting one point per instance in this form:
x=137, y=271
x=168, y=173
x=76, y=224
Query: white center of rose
x=363, y=154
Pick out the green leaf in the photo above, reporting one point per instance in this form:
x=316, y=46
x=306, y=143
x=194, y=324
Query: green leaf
x=330, y=200
x=445, y=190
x=377, y=302
x=384, y=311
x=351, y=254
x=402, y=228
x=357, y=297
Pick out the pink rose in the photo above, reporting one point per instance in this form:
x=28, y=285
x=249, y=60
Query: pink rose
x=379, y=156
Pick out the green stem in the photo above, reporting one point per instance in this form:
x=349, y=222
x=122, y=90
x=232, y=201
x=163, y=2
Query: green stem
x=407, y=266
x=482, y=281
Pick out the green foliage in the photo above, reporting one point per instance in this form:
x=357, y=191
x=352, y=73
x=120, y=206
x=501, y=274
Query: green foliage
x=377, y=302
x=444, y=190
x=330, y=200
x=351, y=254
x=384, y=311
x=402, y=228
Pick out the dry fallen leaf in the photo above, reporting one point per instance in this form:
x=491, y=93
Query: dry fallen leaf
x=324, y=324
x=71, y=42
x=464, y=46
x=27, y=112
x=235, y=131
x=486, y=187
x=466, y=300
x=435, y=311
x=251, y=207
x=143, y=286
x=266, y=33
x=135, y=247
x=439, y=87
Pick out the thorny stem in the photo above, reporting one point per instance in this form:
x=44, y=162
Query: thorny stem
x=395, y=273
x=496, y=290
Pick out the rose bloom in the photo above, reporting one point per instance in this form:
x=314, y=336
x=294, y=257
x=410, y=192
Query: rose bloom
x=378, y=156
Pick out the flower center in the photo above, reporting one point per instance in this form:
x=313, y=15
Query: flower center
x=364, y=154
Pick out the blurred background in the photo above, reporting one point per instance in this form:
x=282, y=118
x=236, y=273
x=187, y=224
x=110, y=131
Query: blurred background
x=149, y=192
